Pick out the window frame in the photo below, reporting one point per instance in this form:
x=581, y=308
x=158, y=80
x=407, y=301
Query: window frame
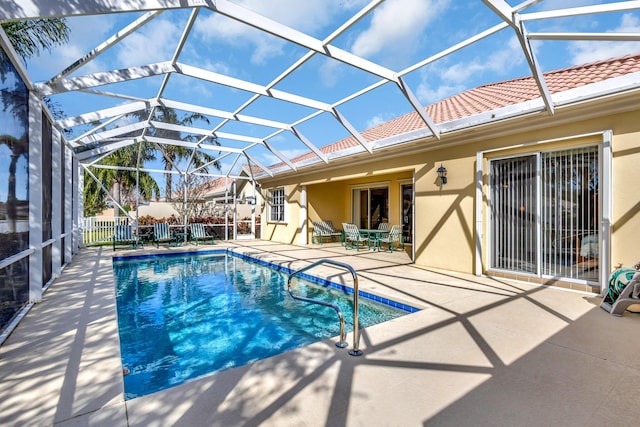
x=277, y=205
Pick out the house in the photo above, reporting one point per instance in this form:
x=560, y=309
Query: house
x=222, y=195
x=508, y=189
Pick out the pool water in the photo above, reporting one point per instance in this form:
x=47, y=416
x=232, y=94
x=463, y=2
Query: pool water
x=185, y=316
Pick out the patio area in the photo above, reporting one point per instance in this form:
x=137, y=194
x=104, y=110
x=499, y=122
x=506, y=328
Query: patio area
x=481, y=352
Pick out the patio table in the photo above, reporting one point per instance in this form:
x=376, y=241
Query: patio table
x=181, y=237
x=374, y=235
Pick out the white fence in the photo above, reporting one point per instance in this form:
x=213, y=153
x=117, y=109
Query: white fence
x=98, y=229
x=101, y=229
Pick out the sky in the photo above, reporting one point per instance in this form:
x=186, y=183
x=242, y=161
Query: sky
x=388, y=36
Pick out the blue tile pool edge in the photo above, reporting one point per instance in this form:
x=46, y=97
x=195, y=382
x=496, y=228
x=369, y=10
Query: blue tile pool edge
x=280, y=268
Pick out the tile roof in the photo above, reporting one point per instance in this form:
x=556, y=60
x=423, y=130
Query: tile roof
x=490, y=97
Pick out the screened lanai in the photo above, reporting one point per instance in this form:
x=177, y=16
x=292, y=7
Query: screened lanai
x=168, y=93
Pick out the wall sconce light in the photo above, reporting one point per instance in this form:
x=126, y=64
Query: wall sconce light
x=442, y=174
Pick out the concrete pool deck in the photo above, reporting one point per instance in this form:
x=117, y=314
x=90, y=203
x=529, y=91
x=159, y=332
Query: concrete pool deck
x=482, y=352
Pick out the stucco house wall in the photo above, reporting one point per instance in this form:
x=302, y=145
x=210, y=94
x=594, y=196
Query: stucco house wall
x=445, y=222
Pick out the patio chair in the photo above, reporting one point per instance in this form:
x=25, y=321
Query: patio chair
x=322, y=229
x=123, y=235
x=394, y=236
x=200, y=235
x=352, y=237
x=162, y=234
x=384, y=226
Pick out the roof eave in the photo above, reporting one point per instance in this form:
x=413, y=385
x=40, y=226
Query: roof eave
x=589, y=93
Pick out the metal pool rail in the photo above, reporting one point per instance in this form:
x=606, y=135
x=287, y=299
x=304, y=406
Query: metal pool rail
x=342, y=344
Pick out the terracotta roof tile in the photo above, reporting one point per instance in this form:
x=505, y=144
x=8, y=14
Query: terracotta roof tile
x=490, y=97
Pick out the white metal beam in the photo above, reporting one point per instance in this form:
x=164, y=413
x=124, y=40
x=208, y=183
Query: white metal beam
x=224, y=114
x=104, y=46
x=623, y=37
x=309, y=144
x=32, y=9
x=169, y=141
x=180, y=128
x=417, y=106
x=95, y=129
x=622, y=6
x=104, y=149
x=104, y=78
x=279, y=155
x=257, y=163
x=232, y=82
x=97, y=115
x=112, y=133
x=511, y=17
x=260, y=22
x=343, y=120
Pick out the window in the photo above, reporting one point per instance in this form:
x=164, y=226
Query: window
x=276, y=205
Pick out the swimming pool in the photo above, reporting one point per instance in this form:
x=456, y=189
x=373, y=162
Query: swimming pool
x=184, y=316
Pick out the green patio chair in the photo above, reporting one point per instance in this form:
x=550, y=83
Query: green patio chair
x=162, y=234
x=352, y=237
x=383, y=226
x=123, y=235
x=199, y=234
x=393, y=237
x=322, y=229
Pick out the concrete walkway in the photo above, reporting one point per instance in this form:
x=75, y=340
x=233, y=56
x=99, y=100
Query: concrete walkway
x=482, y=352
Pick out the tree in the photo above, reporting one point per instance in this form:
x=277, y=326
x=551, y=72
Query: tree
x=121, y=183
x=175, y=153
x=30, y=37
x=195, y=189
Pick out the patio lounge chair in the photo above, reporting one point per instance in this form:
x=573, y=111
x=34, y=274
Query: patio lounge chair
x=200, y=235
x=322, y=229
x=352, y=237
x=393, y=237
x=123, y=235
x=162, y=234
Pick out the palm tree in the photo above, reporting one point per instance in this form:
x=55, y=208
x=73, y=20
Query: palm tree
x=19, y=148
x=30, y=37
x=121, y=182
x=175, y=153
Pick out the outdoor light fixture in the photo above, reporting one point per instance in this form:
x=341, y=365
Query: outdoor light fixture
x=442, y=174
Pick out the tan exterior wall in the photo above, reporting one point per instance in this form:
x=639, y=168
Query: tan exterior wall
x=155, y=209
x=445, y=215
x=287, y=231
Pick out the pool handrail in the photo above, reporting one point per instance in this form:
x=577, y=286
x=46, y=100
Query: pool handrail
x=355, y=351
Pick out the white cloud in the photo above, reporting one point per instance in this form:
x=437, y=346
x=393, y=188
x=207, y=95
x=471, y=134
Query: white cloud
x=379, y=119
x=269, y=159
x=392, y=29
x=428, y=94
x=589, y=51
x=152, y=43
x=330, y=73
x=309, y=16
x=85, y=34
x=458, y=77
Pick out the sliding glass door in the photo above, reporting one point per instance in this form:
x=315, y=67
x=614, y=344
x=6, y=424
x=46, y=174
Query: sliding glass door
x=545, y=214
x=370, y=206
